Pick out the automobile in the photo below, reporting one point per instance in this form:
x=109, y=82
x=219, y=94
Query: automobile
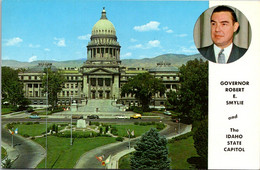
x=120, y=117
x=93, y=117
x=167, y=113
x=34, y=117
x=136, y=116
x=77, y=117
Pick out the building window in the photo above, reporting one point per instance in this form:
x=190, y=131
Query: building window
x=29, y=77
x=68, y=93
x=100, y=81
x=68, y=86
x=35, y=77
x=71, y=93
x=107, y=81
x=93, y=81
x=35, y=85
x=63, y=93
x=30, y=85
x=36, y=94
x=71, y=86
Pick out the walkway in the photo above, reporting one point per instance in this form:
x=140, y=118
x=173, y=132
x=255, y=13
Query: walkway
x=117, y=150
x=27, y=153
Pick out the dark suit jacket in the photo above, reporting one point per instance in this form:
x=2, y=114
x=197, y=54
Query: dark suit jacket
x=236, y=53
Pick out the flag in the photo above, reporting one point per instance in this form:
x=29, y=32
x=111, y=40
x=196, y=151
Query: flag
x=11, y=132
x=108, y=159
x=16, y=131
x=100, y=158
x=133, y=133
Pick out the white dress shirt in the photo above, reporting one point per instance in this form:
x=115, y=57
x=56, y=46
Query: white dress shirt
x=226, y=52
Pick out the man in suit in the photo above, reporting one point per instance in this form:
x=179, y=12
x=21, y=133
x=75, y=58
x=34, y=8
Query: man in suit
x=224, y=25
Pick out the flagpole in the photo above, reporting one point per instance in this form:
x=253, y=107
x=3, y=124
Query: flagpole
x=12, y=140
x=129, y=137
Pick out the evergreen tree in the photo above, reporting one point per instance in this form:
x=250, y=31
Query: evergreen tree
x=151, y=152
x=7, y=164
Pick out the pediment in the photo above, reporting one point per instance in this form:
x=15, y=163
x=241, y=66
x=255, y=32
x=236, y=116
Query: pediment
x=101, y=71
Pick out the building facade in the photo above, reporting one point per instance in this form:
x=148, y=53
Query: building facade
x=101, y=76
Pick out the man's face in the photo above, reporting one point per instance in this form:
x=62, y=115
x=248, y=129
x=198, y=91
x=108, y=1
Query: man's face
x=222, y=28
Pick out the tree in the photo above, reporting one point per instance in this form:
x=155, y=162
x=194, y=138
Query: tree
x=200, y=138
x=12, y=88
x=7, y=164
x=193, y=94
x=52, y=83
x=143, y=87
x=172, y=99
x=151, y=152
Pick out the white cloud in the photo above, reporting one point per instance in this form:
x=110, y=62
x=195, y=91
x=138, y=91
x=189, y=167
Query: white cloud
x=188, y=50
x=33, y=58
x=152, y=25
x=136, y=46
x=165, y=28
x=169, y=31
x=60, y=42
x=154, y=43
x=34, y=46
x=149, y=44
x=181, y=35
x=126, y=55
x=47, y=49
x=13, y=41
x=84, y=37
x=133, y=40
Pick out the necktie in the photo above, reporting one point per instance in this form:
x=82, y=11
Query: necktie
x=221, y=57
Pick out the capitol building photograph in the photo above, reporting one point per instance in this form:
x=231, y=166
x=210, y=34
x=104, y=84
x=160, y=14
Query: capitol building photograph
x=100, y=78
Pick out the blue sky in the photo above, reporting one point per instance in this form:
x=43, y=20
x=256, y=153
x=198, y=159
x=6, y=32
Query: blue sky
x=60, y=29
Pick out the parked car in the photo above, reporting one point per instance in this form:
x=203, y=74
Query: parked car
x=121, y=117
x=77, y=117
x=136, y=116
x=93, y=117
x=167, y=113
x=34, y=117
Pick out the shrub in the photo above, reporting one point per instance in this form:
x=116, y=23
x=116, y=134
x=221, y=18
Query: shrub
x=119, y=138
x=160, y=126
x=181, y=137
x=100, y=130
x=10, y=126
x=36, y=122
x=136, y=123
x=26, y=135
x=95, y=123
x=28, y=123
x=138, y=110
x=114, y=130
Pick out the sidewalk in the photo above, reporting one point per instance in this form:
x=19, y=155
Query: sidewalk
x=12, y=153
x=115, y=158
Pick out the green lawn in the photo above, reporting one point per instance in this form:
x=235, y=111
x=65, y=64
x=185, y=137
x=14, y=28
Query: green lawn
x=138, y=129
x=179, y=152
x=62, y=155
x=6, y=110
x=32, y=130
x=3, y=153
x=124, y=162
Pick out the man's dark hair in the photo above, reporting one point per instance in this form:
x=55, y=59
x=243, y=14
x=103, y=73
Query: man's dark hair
x=225, y=9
